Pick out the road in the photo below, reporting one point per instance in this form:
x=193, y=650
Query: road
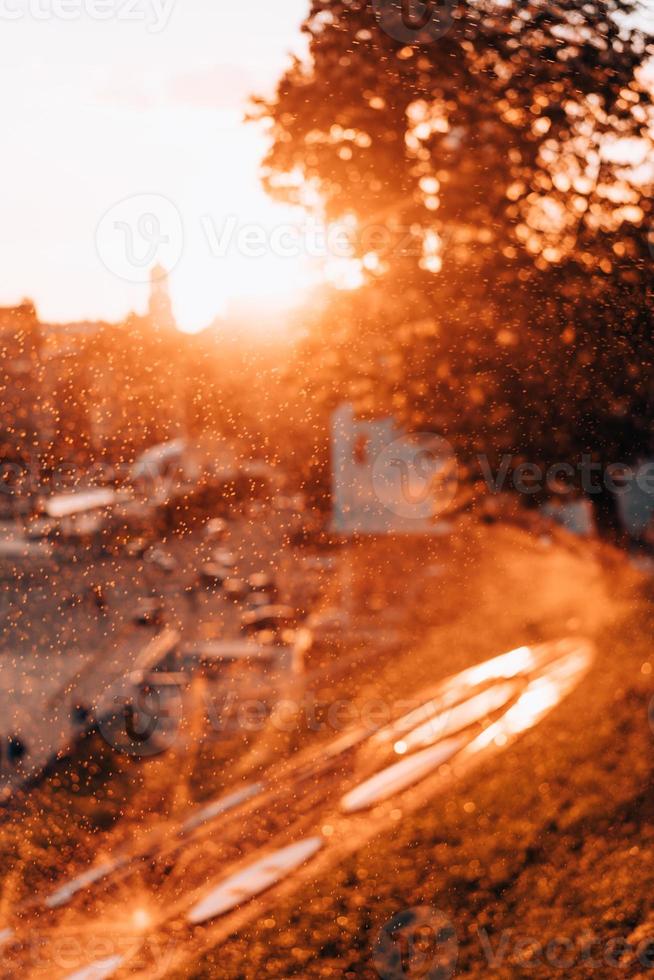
x=307, y=767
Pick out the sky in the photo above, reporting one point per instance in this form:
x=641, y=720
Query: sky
x=124, y=143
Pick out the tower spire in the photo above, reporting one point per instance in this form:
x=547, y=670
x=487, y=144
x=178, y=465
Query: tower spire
x=160, y=308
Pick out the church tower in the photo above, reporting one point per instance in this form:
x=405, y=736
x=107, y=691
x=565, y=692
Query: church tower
x=160, y=308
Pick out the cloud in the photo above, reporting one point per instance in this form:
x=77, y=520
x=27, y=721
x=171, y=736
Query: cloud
x=215, y=87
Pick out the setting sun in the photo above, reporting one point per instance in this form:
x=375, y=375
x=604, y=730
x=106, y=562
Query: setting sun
x=176, y=129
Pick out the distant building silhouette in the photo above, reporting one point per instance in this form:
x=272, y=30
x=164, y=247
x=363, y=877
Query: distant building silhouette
x=73, y=391
x=21, y=382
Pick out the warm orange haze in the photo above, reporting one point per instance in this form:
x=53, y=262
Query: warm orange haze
x=326, y=490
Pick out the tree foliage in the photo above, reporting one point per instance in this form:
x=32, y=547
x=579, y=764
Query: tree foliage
x=496, y=180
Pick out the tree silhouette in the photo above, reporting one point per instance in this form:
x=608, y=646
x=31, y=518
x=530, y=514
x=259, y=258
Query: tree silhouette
x=495, y=176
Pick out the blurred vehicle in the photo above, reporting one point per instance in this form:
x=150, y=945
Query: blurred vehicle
x=73, y=504
x=166, y=562
x=235, y=588
x=136, y=548
x=161, y=466
x=216, y=529
x=39, y=528
x=260, y=599
x=213, y=655
x=261, y=582
x=149, y=612
x=268, y=617
x=214, y=574
x=224, y=558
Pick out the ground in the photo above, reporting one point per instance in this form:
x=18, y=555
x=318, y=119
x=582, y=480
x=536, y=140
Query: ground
x=550, y=838
x=553, y=840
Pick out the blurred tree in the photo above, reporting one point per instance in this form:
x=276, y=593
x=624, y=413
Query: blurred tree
x=506, y=135
x=493, y=170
